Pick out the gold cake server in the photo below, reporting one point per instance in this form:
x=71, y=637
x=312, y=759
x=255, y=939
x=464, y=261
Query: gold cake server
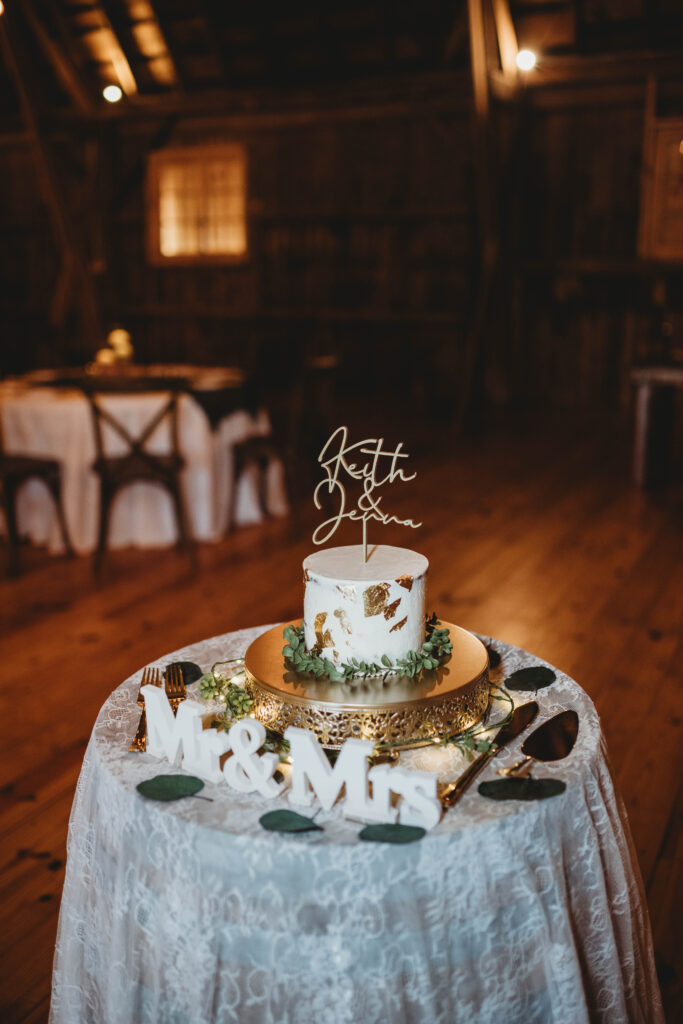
x=521, y=718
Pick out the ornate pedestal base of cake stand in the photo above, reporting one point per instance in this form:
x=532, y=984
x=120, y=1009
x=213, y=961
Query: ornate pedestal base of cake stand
x=395, y=712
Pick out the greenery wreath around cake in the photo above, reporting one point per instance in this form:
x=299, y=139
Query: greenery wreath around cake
x=223, y=685
x=435, y=649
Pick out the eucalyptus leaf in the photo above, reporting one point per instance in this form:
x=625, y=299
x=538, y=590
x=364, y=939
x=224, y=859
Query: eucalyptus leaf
x=288, y=821
x=189, y=671
x=437, y=645
x=170, y=787
x=536, y=677
x=494, y=657
x=391, y=833
x=521, y=789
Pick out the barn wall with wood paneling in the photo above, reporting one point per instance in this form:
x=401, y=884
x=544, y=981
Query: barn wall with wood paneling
x=591, y=309
x=363, y=240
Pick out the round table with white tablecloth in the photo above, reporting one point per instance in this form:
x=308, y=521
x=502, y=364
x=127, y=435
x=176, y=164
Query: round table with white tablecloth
x=57, y=423
x=505, y=913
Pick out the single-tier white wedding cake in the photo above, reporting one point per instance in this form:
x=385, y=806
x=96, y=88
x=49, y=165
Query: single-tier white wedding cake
x=364, y=610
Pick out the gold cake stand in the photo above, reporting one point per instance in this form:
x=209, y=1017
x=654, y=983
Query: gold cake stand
x=396, y=712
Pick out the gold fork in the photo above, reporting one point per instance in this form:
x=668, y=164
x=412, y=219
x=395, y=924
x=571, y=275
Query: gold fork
x=150, y=677
x=175, y=686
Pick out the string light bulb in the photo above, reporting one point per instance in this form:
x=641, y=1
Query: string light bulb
x=111, y=93
x=526, y=60
x=2, y=7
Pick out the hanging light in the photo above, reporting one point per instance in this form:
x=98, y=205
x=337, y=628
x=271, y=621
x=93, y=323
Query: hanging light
x=111, y=93
x=526, y=60
x=2, y=7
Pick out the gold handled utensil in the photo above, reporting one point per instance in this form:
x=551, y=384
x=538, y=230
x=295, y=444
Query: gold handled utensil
x=175, y=686
x=552, y=741
x=150, y=677
x=521, y=717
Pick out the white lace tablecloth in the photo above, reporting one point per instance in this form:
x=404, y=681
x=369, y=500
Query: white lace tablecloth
x=506, y=913
x=56, y=423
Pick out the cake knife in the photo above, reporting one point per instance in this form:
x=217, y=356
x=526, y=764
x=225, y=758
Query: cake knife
x=521, y=718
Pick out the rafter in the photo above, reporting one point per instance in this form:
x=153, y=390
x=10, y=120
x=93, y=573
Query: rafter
x=507, y=37
x=478, y=58
x=117, y=55
x=118, y=21
x=73, y=261
x=61, y=64
x=167, y=35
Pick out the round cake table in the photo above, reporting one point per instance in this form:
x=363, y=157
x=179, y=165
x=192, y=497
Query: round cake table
x=506, y=913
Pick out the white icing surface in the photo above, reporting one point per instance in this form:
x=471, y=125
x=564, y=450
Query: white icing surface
x=357, y=607
x=384, y=563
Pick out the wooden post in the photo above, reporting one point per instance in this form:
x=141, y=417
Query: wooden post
x=478, y=58
x=48, y=178
x=473, y=369
x=507, y=37
x=61, y=64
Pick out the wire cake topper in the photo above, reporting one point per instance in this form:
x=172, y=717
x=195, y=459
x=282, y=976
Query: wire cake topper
x=334, y=458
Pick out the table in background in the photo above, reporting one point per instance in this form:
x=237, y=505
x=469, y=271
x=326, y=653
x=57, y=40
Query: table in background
x=655, y=416
x=56, y=422
x=506, y=913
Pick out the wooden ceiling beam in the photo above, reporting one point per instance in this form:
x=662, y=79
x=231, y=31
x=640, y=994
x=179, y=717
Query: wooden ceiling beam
x=65, y=71
x=118, y=56
x=167, y=35
x=118, y=19
x=507, y=37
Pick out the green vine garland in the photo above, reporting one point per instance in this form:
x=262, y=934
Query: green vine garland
x=437, y=646
x=223, y=686
x=470, y=742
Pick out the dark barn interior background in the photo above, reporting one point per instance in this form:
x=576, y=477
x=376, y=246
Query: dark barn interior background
x=450, y=259
x=440, y=247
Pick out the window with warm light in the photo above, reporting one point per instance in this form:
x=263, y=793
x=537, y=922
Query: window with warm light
x=197, y=205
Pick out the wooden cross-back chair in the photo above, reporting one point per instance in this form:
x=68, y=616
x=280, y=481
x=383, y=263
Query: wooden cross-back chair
x=15, y=471
x=304, y=423
x=138, y=463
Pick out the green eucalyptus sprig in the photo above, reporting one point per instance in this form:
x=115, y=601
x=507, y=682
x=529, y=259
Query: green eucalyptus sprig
x=437, y=645
x=222, y=686
x=474, y=740
x=218, y=686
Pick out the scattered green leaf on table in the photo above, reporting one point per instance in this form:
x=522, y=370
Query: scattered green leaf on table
x=288, y=821
x=391, y=833
x=189, y=671
x=521, y=789
x=494, y=656
x=170, y=787
x=536, y=677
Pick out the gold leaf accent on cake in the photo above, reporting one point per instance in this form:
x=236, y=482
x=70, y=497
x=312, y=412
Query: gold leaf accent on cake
x=406, y=580
x=375, y=599
x=399, y=625
x=349, y=591
x=391, y=609
x=307, y=575
x=344, y=620
x=322, y=639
